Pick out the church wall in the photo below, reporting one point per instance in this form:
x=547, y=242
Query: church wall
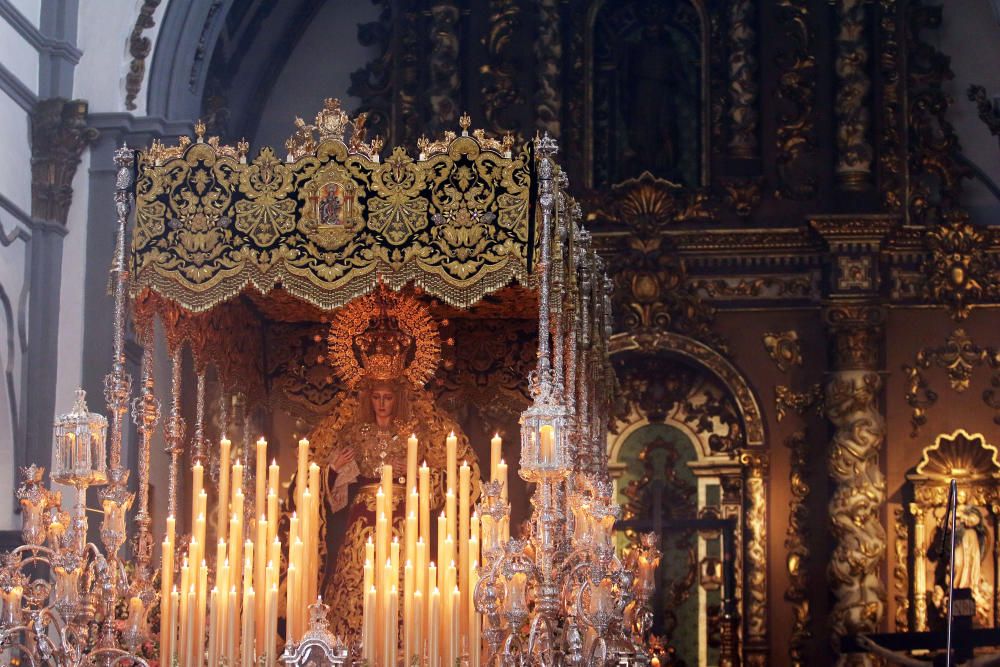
x=29, y=8
x=20, y=84
x=105, y=34
x=72, y=297
x=14, y=240
x=19, y=56
x=15, y=178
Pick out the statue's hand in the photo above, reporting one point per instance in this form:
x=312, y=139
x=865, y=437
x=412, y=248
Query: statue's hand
x=342, y=457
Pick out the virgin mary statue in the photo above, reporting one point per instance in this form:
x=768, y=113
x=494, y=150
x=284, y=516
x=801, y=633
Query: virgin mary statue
x=384, y=347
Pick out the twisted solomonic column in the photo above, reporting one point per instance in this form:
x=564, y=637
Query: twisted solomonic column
x=860, y=490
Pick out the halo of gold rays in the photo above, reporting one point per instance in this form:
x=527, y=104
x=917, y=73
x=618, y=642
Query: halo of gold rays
x=412, y=317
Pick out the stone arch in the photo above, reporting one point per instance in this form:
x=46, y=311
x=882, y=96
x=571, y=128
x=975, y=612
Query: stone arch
x=705, y=357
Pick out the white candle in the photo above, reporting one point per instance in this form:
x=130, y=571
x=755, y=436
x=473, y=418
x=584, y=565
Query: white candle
x=453, y=626
x=451, y=444
x=171, y=650
x=495, y=453
x=368, y=646
x=249, y=611
x=222, y=511
x=418, y=622
x=213, y=627
x=547, y=449
x=260, y=478
x=425, y=506
x=434, y=632
x=411, y=461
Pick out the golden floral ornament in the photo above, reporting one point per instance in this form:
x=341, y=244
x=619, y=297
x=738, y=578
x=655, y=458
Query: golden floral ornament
x=959, y=356
x=783, y=348
x=266, y=213
x=397, y=211
x=383, y=336
x=960, y=265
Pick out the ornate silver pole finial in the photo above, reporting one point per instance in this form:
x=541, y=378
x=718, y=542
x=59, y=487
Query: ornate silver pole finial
x=118, y=383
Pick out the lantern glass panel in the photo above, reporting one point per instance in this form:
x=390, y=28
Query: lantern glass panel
x=80, y=437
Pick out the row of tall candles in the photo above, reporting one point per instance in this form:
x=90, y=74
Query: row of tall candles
x=438, y=618
x=236, y=621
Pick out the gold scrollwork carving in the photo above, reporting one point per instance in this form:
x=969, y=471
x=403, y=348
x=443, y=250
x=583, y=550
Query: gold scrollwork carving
x=857, y=330
x=443, y=37
x=959, y=357
x=208, y=224
x=934, y=168
x=548, y=56
x=784, y=349
x=743, y=194
x=742, y=79
x=892, y=151
x=960, y=270
x=854, y=150
x=764, y=287
x=984, y=107
x=797, y=549
x=653, y=203
x=860, y=539
x=785, y=399
x=139, y=47
x=755, y=470
x=703, y=355
x=796, y=91
x=900, y=576
x=500, y=92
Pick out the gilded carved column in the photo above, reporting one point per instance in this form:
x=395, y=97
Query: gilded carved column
x=755, y=648
x=854, y=148
x=742, y=79
x=852, y=406
x=854, y=327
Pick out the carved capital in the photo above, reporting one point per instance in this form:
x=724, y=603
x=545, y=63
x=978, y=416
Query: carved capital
x=58, y=136
x=856, y=335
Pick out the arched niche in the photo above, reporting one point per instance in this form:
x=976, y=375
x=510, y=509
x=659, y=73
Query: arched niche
x=639, y=115
x=685, y=444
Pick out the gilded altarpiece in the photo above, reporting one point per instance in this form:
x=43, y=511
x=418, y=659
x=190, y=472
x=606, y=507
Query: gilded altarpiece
x=973, y=463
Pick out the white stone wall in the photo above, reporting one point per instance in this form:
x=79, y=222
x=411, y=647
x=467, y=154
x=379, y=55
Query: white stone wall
x=103, y=35
x=20, y=59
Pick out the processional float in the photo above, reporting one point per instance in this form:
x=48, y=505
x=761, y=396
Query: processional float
x=330, y=223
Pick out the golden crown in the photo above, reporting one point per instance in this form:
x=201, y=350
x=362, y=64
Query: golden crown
x=384, y=336
x=383, y=349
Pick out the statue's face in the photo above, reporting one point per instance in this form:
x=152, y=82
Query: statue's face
x=383, y=402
